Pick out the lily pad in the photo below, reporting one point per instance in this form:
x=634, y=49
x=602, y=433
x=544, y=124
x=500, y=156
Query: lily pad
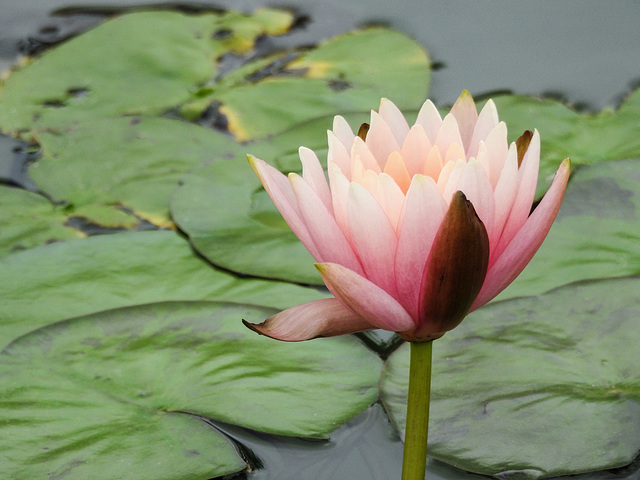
x=231, y=220
x=535, y=386
x=330, y=79
x=585, y=138
x=128, y=392
x=78, y=277
x=127, y=171
x=29, y=220
x=596, y=234
x=140, y=63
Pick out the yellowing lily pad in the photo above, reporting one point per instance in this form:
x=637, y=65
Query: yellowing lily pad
x=140, y=63
x=348, y=73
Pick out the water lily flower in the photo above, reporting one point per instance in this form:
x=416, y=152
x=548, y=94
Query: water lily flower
x=418, y=225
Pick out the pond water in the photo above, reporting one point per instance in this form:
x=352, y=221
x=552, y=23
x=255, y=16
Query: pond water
x=587, y=53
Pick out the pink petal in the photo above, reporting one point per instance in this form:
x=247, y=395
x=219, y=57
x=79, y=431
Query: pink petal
x=423, y=211
x=327, y=236
x=320, y=318
x=466, y=114
x=381, y=140
x=429, y=118
x=527, y=240
x=364, y=298
x=415, y=149
x=487, y=121
x=450, y=178
x=390, y=198
x=497, y=147
x=338, y=154
x=475, y=184
x=504, y=194
x=372, y=236
x=454, y=273
x=370, y=162
x=313, y=174
x=280, y=191
x=342, y=131
x=394, y=119
x=396, y=169
x=449, y=133
x=527, y=181
x=339, y=196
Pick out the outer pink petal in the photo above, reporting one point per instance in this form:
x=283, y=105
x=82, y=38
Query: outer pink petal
x=497, y=147
x=364, y=298
x=527, y=241
x=313, y=174
x=338, y=154
x=430, y=119
x=280, y=191
x=327, y=236
x=372, y=237
x=528, y=179
x=381, y=140
x=423, y=211
x=487, y=121
x=320, y=318
x=504, y=194
x=339, y=196
x=466, y=114
x=342, y=131
x=395, y=120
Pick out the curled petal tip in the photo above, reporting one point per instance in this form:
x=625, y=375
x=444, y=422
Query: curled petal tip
x=321, y=318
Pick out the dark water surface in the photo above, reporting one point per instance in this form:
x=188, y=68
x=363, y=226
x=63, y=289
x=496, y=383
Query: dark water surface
x=587, y=52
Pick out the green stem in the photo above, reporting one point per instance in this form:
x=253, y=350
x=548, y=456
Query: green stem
x=414, y=462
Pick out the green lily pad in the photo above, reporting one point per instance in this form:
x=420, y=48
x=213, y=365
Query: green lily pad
x=140, y=63
x=29, y=220
x=127, y=392
x=78, y=277
x=231, y=220
x=133, y=166
x=535, y=386
x=585, y=138
x=596, y=234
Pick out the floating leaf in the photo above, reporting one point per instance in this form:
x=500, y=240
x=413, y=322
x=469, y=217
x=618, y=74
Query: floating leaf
x=596, y=234
x=535, y=386
x=63, y=280
x=124, y=393
x=29, y=219
x=140, y=63
x=231, y=220
x=134, y=165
